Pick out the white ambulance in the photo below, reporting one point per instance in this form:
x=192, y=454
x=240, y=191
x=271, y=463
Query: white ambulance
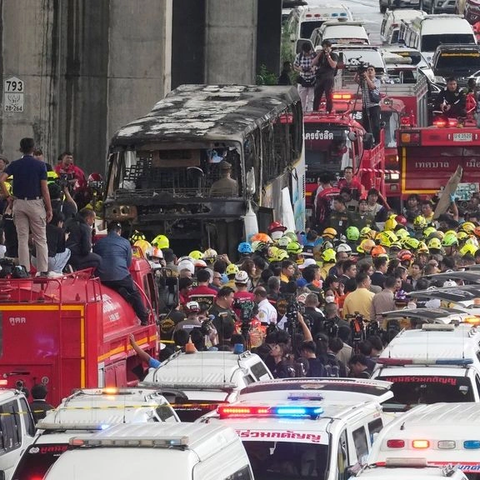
x=443, y=434
x=17, y=430
x=438, y=363
x=306, y=428
x=184, y=451
x=196, y=383
x=87, y=412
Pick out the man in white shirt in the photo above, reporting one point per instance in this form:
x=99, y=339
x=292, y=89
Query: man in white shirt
x=267, y=313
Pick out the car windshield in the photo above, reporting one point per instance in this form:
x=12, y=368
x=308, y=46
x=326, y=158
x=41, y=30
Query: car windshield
x=36, y=461
x=431, y=42
x=307, y=28
x=459, y=61
x=411, y=390
x=287, y=461
x=326, y=148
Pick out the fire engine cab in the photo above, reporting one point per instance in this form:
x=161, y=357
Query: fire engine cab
x=72, y=332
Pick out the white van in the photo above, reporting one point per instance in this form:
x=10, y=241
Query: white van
x=305, y=19
x=439, y=363
x=202, y=380
x=392, y=19
x=17, y=430
x=87, y=412
x=185, y=451
x=306, y=428
x=343, y=33
x=443, y=434
x=427, y=33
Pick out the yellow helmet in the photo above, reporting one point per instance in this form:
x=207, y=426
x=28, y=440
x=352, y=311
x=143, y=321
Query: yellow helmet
x=428, y=231
x=210, y=255
x=143, y=245
x=280, y=255
x=385, y=239
x=422, y=248
x=366, y=245
x=51, y=176
x=419, y=222
x=329, y=256
x=329, y=233
x=196, y=255
x=468, y=227
x=390, y=224
x=367, y=232
x=402, y=233
x=136, y=235
x=468, y=249
x=231, y=269
x=472, y=241
x=434, y=244
x=161, y=241
x=461, y=236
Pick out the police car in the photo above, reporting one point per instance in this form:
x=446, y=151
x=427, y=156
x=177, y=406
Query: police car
x=443, y=434
x=184, y=451
x=413, y=469
x=196, y=383
x=306, y=428
x=432, y=364
x=86, y=412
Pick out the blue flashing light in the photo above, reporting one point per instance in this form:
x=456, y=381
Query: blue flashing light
x=471, y=444
x=104, y=427
x=343, y=14
x=334, y=15
x=297, y=411
x=454, y=361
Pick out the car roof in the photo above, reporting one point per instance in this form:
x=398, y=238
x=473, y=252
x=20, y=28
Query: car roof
x=427, y=472
x=472, y=276
x=454, y=294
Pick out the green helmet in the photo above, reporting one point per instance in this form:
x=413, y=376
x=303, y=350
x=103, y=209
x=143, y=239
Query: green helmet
x=329, y=255
x=449, y=240
x=280, y=256
x=353, y=233
x=294, y=248
x=283, y=242
x=411, y=243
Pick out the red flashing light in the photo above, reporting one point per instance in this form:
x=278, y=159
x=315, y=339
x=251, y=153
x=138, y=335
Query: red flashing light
x=309, y=15
x=395, y=443
x=317, y=15
x=421, y=444
x=440, y=123
x=405, y=121
x=226, y=412
x=3, y=382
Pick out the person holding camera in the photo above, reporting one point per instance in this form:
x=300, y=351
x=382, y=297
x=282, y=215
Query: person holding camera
x=370, y=86
x=303, y=64
x=326, y=63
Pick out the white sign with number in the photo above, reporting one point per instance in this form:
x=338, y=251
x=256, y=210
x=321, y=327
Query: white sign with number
x=14, y=92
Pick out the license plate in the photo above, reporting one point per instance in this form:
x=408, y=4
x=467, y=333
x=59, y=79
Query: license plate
x=462, y=137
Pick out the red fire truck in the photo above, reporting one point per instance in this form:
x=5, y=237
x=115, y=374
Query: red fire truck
x=72, y=332
x=430, y=155
x=335, y=141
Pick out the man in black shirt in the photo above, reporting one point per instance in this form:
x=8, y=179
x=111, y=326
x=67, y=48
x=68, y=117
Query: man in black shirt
x=39, y=405
x=326, y=63
x=451, y=100
x=221, y=311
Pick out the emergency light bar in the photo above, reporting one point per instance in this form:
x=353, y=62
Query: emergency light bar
x=441, y=444
x=400, y=362
x=286, y=411
x=342, y=96
x=406, y=462
x=438, y=327
x=192, y=386
x=158, y=442
x=71, y=426
x=106, y=391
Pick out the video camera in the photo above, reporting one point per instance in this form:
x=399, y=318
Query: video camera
x=65, y=180
x=357, y=65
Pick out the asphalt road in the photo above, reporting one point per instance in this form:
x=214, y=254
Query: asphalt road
x=365, y=10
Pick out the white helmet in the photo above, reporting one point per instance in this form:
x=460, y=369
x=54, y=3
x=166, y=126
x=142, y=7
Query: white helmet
x=241, y=277
x=345, y=248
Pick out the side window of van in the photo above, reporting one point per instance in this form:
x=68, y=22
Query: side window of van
x=360, y=442
x=29, y=423
x=10, y=426
x=382, y=28
x=259, y=371
x=243, y=474
x=374, y=427
x=477, y=384
x=342, y=458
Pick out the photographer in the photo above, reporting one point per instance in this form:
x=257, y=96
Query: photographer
x=326, y=63
x=370, y=86
x=306, y=79
x=62, y=203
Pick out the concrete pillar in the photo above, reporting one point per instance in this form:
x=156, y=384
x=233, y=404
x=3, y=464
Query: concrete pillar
x=139, y=72
x=269, y=34
x=29, y=40
x=230, y=41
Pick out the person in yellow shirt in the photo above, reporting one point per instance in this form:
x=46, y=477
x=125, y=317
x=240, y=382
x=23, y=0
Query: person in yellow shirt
x=361, y=299
x=427, y=211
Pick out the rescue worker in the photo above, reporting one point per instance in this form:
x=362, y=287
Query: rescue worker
x=225, y=186
x=370, y=86
x=116, y=255
x=351, y=182
x=306, y=76
x=451, y=100
x=32, y=209
x=74, y=174
x=39, y=405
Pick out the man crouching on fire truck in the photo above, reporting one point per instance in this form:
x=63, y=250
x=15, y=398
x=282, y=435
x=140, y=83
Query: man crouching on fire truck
x=451, y=100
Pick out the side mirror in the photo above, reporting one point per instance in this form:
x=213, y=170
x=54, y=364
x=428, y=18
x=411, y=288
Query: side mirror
x=250, y=184
x=352, y=136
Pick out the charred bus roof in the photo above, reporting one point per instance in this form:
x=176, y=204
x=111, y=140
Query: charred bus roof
x=213, y=112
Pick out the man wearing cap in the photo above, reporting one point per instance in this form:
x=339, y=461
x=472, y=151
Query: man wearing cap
x=32, y=209
x=225, y=186
x=114, y=272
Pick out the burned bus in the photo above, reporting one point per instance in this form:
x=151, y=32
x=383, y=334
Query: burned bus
x=163, y=167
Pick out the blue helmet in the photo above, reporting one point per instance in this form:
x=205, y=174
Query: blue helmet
x=244, y=248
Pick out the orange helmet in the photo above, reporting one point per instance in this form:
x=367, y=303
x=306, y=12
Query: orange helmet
x=366, y=245
x=261, y=237
x=378, y=250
